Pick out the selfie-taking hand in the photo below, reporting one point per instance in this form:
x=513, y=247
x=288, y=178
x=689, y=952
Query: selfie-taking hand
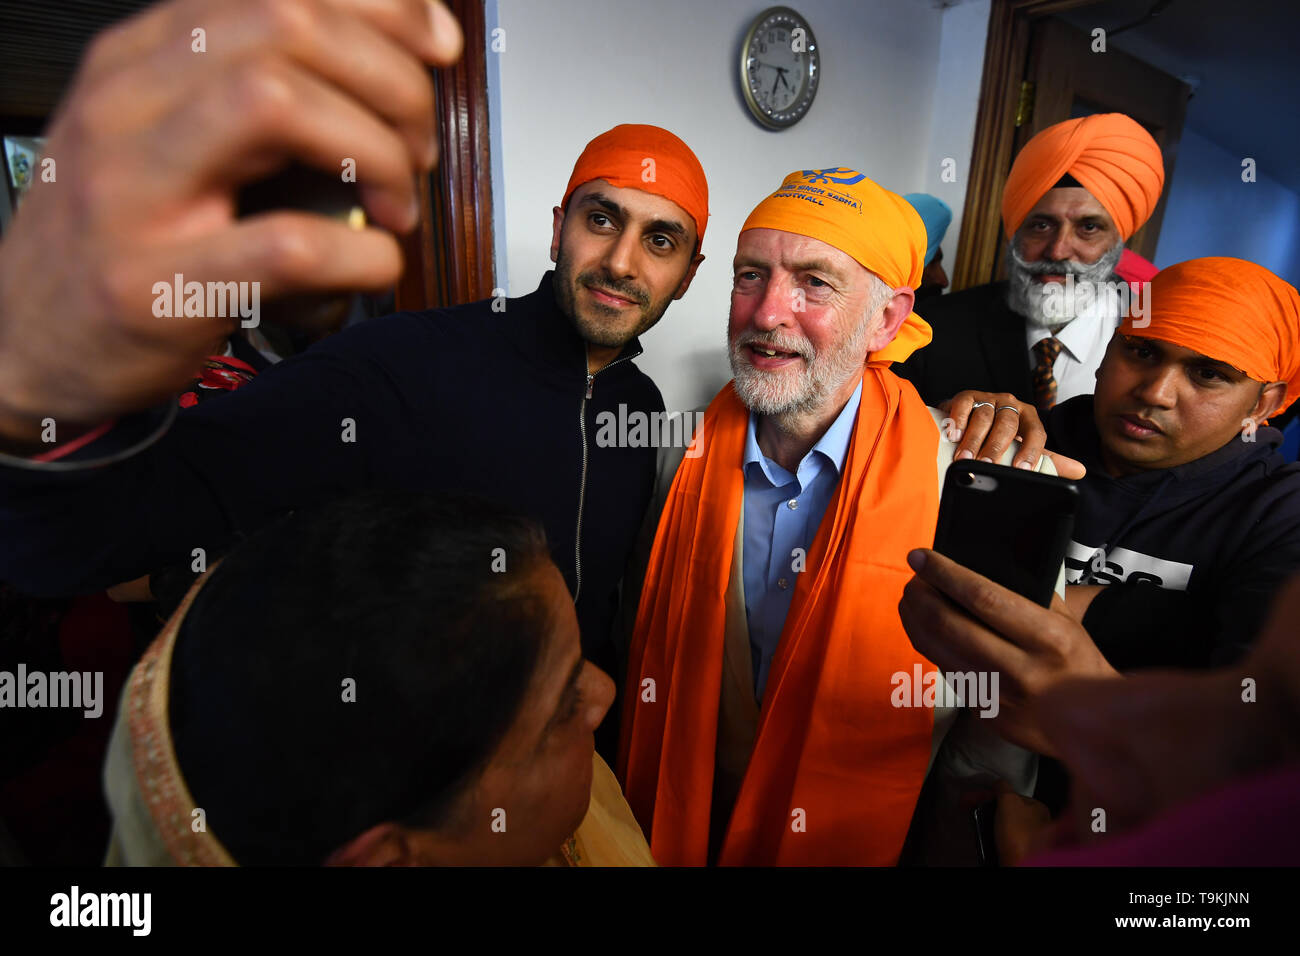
x=1163, y=738
x=150, y=149
x=962, y=621
x=987, y=431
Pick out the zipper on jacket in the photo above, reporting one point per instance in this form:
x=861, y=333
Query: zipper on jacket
x=582, y=486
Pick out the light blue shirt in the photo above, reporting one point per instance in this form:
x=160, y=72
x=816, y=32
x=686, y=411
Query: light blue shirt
x=782, y=513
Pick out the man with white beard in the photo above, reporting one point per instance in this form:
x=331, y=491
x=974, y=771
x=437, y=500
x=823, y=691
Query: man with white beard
x=760, y=723
x=1076, y=193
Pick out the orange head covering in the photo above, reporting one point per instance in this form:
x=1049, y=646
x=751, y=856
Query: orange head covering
x=650, y=159
x=1109, y=154
x=1230, y=310
x=879, y=229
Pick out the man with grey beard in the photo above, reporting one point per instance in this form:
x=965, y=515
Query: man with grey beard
x=766, y=641
x=1076, y=193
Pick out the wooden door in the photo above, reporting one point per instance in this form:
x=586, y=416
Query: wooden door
x=1038, y=70
x=449, y=256
x=1069, y=80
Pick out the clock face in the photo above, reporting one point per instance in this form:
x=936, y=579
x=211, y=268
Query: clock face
x=779, y=67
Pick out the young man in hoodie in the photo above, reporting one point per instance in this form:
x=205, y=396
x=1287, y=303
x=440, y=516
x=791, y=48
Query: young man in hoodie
x=1189, y=515
x=1189, y=520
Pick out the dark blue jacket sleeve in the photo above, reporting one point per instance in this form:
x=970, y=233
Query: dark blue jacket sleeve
x=224, y=468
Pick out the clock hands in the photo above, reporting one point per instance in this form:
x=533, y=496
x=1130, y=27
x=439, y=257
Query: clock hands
x=780, y=75
x=773, y=34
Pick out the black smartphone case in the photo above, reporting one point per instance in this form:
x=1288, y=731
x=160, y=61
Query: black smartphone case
x=1011, y=525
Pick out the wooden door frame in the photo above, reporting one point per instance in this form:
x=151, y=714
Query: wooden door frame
x=450, y=254
x=1006, y=52
x=1126, y=84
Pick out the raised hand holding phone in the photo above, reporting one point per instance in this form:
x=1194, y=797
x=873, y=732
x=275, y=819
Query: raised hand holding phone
x=153, y=144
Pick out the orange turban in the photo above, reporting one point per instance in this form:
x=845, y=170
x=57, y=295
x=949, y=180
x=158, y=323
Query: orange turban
x=1109, y=154
x=880, y=229
x=650, y=159
x=1230, y=310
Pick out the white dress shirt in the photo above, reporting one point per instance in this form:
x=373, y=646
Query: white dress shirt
x=1083, y=343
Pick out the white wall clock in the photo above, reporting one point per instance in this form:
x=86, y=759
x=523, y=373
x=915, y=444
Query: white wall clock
x=780, y=66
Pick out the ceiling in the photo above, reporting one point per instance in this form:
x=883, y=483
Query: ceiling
x=1241, y=57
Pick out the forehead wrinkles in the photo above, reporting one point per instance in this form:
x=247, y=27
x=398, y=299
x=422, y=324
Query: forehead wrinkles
x=1071, y=210
x=793, y=252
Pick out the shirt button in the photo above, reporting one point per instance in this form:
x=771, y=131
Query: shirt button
x=792, y=504
x=783, y=584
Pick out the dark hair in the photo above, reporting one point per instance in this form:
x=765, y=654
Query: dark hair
x=396, y=591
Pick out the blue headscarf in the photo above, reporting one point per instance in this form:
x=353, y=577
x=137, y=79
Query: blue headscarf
x=937, y=218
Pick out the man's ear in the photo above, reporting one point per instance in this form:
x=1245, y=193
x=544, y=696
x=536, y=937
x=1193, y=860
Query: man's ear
x=690, y=274
x=895, y=312
x=385, y=844
x=1270, y=399
x=557, y=226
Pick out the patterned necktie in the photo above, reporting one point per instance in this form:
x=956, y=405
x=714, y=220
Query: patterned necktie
x=1045, y=352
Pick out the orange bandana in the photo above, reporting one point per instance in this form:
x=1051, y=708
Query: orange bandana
x=879, y=229
x=1230, y=310
x=829, y=742
x=1109, y=154
x=650, y=159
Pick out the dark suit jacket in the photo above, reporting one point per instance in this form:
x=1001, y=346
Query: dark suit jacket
x=978, y=343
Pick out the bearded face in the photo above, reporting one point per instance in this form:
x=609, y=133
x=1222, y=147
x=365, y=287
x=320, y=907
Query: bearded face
x=801, y=387
x=1045, y=304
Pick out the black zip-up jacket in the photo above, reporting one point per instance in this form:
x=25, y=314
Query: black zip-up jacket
x=1193, y=555
x=496, y=402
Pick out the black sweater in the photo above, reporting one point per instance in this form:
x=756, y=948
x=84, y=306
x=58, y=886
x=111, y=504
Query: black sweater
x=457, y=399
x=1193, y=554
x=978, y=343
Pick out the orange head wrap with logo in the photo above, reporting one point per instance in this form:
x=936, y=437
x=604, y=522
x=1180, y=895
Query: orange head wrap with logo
x=879, y=229
x=648, y=158
x=1230, y=310
x=1108, y=154
x=828, y=742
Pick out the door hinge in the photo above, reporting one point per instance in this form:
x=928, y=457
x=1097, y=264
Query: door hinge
x=1025, y=105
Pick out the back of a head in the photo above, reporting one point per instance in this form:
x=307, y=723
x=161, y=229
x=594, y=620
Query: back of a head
x=354, y=664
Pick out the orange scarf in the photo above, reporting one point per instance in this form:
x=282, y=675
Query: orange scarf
x=829, y=743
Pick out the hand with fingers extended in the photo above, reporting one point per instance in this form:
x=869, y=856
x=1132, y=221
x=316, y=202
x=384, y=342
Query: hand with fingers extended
x=984, y=424
x=962, y=621
x=151, y=147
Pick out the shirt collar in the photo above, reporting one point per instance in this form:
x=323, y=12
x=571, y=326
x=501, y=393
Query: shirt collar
x=1081, y=336
x=832, y=447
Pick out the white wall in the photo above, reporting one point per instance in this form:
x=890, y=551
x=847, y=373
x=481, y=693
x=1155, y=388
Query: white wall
x=1211, y=212
x=573, y=68
x=963, y=33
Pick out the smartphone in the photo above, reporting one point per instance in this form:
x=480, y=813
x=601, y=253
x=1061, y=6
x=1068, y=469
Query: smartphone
x=986, y=843
x=298, y=320
x=1010, y=525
